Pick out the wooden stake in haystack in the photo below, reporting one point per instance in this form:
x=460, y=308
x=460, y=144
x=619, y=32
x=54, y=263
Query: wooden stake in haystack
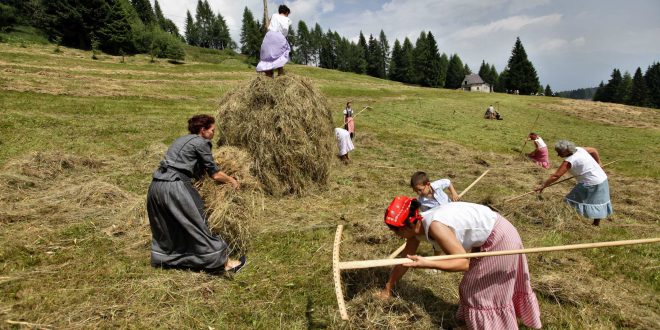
x=338, y=266
x=397, y=251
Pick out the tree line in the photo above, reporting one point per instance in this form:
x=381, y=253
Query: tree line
x=639, y=89
x=135, y=26
x=114, y=26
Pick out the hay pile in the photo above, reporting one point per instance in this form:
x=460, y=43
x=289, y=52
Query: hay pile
x=286, y=125
x=231, y=214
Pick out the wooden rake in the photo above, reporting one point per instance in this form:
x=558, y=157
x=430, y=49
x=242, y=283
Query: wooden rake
x=338, y=266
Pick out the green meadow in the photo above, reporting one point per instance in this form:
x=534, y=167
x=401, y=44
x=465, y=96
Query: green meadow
x=79, y=139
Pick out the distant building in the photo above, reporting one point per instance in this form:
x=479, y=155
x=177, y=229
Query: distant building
x=474, y=83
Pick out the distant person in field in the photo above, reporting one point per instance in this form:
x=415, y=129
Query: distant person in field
x=344, y=144
x=591, y=195
x=180, y=234
x=494, y=291
x=275, y=48
x=490, y=112
x=349, y=122
x=540, y=153
x=431, y=194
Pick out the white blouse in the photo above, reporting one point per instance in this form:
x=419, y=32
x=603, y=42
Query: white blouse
x=471, y=223
x=279, y=23
x=585, y=168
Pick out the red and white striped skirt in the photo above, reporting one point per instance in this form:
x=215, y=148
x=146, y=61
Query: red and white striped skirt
x=496, y=290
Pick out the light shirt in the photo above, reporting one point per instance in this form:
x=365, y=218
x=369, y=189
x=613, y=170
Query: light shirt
x=540, y=143
x=585, y=168
x=348, y=112
x=439, y=196
x=471, y=223
x=279, y=23
x=344, y=142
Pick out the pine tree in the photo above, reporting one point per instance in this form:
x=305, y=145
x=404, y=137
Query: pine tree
x=611, y=92
x=408, y=68
x=145, y=12
x=521, y=73
x=316, y=38
x=75, y=22
x=421, y=55
x=442, y=75
x=250, y=35
x=374, y=58
x=600, y=92
x=204, y=19
x=304, y=49
x=455, y=72
x=363, y=50
x=466, y=69
x=385, y=52
x=115, y=35
x=220, y=37
x=652, y=78
x=164, y=23
x=396, y=62
x=484, y=71
x=191, y=33
x=493, y=76
x=639, y=92
x=432, y=70
x=623, y=93
x=500, y=86
x=548, y=91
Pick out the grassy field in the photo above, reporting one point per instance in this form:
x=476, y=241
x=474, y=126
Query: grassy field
x=79, y=139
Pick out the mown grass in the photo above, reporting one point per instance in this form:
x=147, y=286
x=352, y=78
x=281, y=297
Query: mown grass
x=65, y=263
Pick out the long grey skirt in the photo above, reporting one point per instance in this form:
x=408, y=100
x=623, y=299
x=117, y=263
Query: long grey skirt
x=180, y=234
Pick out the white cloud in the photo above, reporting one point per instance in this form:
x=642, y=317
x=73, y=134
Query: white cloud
x=328, y=6
x=514, y=23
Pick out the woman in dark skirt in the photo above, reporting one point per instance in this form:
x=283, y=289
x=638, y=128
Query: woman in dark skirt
x=180, y=234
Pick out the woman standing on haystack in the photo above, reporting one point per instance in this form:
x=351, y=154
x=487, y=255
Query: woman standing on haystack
x=494, y=291
x=275, y=48
x=349, y=122
x=180, y=234
x=591, y=195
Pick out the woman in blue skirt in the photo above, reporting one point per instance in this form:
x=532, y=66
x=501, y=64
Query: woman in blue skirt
x=591, y=195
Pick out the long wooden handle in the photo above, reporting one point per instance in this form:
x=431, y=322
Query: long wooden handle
x=473, y=183
x=550, y=185
x=400, y=261
x=397, y=251
x=336, y=275
x=365, y=108
x=534, y=124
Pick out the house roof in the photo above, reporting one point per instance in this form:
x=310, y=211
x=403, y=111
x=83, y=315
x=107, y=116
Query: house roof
x=472, y=79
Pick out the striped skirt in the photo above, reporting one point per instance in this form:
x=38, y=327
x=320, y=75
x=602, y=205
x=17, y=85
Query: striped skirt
x=495, y=291
x=592, y=202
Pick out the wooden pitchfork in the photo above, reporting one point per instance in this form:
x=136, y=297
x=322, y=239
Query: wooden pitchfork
x=338, y=266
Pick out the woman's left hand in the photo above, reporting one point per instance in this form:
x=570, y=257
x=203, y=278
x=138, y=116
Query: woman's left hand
x=418, y=262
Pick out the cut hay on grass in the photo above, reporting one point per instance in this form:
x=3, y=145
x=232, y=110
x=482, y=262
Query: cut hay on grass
x=286, y=125
x=232, y=214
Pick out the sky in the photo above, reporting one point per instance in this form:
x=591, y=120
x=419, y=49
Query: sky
x=572, y=43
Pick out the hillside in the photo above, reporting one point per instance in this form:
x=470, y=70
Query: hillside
x=79, y=139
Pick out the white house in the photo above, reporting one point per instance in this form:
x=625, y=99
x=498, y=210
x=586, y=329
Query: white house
x=474, y=83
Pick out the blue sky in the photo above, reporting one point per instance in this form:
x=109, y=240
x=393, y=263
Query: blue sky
x=572, y=44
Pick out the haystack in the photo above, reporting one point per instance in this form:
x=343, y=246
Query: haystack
x=231, y=214
x=286, y=125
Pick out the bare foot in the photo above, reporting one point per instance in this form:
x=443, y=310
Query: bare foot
x=383, y=295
